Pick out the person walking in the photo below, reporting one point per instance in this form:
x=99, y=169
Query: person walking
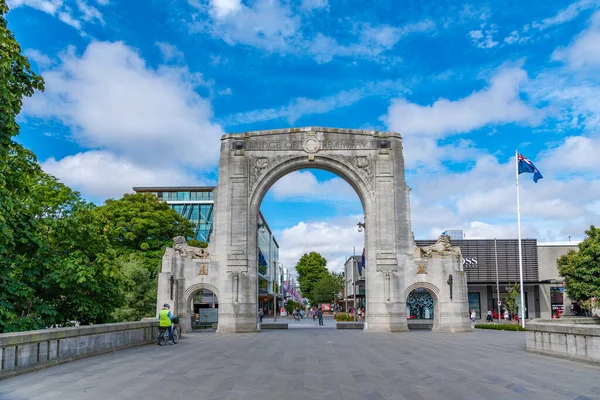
x=473, y=316
x=320, y=316
x=359, y=314
x=261, y=314
x=165, y=320
x=489, y=317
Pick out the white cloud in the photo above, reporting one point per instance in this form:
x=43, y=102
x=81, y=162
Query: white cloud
x=372, y=41
x=301, y=106
x=63, y=11
x=484, y=39
x=111, y=99
x=310, y=5
x=101, y=174
x=266, y=24
x=67, y=18
x=47, y=6
x=515, y=37
x=272, y=25
x=222, y=8
x=333, y=239
x=303, y=185
x=170, y=52
x=498, y=103
x=584, y=51
x=90, y=13
x=38, y=57
x=482, y=202
x=575, y=154
x=566, y=14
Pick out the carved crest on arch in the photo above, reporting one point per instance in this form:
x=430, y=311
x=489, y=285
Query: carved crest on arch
x=362, y=165
x=259, y=166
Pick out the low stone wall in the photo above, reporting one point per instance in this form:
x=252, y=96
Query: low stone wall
x=350, y=325
x=570, y=338
x=274, y=325
x=24, y=351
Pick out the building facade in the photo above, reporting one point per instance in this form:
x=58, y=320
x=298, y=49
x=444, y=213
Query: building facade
x=195, y=203
x=354, y=278
x=492, y=266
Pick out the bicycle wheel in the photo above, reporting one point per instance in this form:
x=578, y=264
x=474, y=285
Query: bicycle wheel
x=175, y=335
x=162, y=338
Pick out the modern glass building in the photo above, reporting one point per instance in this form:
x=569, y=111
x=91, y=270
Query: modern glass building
x=196, y=203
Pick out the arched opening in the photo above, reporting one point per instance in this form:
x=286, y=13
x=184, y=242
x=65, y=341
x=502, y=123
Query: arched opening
x=321, y=204
x=420, y=309
x=203, y=307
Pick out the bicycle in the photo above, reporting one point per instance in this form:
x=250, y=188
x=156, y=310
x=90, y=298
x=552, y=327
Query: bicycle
x=163, y=334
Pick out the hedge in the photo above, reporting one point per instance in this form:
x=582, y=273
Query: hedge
x=501, y=327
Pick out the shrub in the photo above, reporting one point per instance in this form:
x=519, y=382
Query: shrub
x=501, y=327
x=344, y=317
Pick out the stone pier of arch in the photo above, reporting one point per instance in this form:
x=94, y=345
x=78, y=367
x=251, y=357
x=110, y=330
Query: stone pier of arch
x=372, y=163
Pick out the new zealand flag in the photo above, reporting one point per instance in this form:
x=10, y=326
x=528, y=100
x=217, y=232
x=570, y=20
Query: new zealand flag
x=525, y=165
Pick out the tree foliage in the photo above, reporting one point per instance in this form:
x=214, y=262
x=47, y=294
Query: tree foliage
x=581, y=269
x=327, y=288
x=514, y=291
x=311, y=268
x=139, y=227
x=59, y=265
x=292, y=305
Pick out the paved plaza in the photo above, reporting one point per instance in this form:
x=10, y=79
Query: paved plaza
x=317, y=364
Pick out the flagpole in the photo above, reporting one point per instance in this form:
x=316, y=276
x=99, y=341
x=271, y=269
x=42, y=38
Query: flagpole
x=519, y=233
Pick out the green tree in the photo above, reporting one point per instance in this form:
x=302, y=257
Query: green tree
x=61, y=266
x=581, y=269
x=327, y=288
x=292, y=305
x=511, y=300
x=311, y=268
x=17, y=80
x=139, y=227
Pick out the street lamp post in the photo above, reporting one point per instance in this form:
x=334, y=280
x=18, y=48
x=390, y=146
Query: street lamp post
x=260, y=228
x=359, y=227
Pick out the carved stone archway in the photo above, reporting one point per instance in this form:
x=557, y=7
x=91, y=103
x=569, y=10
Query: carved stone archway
x=370, y=161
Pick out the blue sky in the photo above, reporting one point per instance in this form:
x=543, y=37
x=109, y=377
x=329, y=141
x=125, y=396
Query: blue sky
x=139, y=93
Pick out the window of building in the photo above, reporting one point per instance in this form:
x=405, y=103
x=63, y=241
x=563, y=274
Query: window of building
x=556, y=300
x=475, y=304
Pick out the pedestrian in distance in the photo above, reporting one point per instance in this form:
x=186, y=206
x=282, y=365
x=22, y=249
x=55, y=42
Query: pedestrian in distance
x=320, y=316
x=473, y=316
x=261, y=314
x=489, y=317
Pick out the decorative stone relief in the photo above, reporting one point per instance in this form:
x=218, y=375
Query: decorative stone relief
x=203, y=269
x=260, y=165
x=441, y=247
x=363, y=165
x=421, y=268
x=180, y=246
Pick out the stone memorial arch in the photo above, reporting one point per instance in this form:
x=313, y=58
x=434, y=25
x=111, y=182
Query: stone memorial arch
x=373, y=164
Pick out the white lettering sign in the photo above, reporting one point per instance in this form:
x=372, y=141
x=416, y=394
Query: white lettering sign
x=470, y=262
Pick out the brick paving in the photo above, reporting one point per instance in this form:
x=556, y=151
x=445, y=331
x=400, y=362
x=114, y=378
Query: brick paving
x=323, y=364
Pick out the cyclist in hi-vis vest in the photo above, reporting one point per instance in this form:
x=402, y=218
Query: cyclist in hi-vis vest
x=164, y=320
